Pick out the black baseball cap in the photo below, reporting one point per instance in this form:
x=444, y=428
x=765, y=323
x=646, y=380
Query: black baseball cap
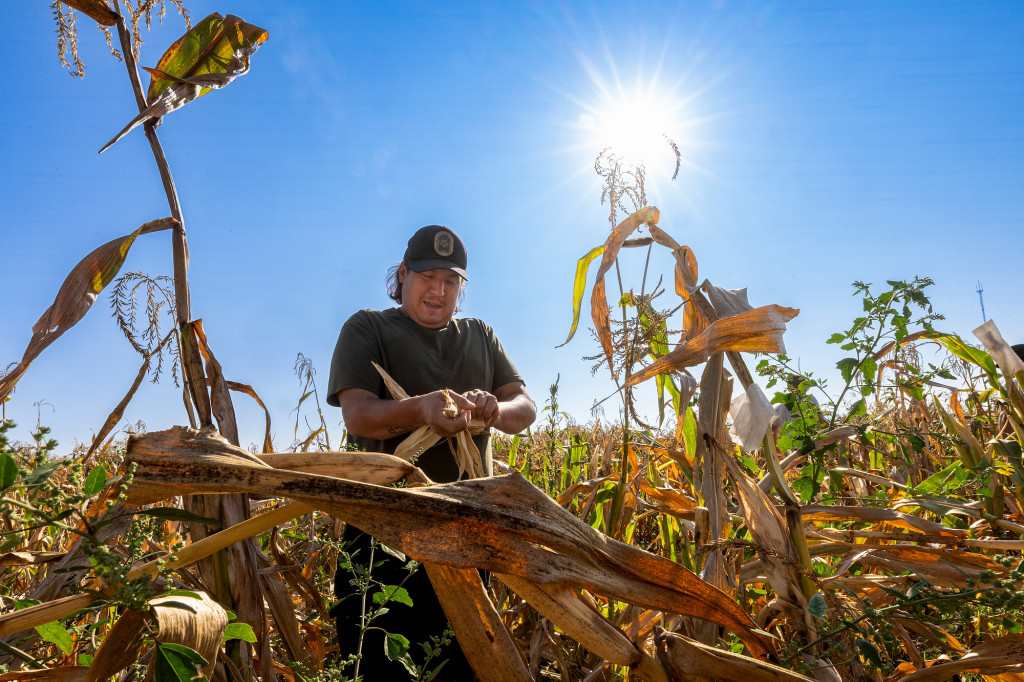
x=436, y=246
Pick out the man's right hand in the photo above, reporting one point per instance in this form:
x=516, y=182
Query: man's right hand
x=432, y=412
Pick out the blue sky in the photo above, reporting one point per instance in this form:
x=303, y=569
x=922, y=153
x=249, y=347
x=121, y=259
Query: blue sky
x=823, y=142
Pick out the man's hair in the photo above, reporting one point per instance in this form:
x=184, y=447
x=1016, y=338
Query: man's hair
x=392, y=284
x=394, y=287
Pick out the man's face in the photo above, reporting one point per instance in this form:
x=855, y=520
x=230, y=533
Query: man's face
x=429, y=297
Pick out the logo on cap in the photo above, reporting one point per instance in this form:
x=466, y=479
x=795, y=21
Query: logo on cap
x=444, y=243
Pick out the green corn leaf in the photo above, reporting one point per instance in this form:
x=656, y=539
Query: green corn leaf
x=953, y=473
x=211, y=55
x=690, y=433
x=579, y=286
x=208, y=48
x=958, y=347
x=659, y=382
x=8, y=471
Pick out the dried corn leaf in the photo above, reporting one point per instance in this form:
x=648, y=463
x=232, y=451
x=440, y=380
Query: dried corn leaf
x=589, y=487
x=579, y=620
x=268, y=445
x=1007, y=360
x=97, y=10
x=756, y=331
x=367, y=467
x=665, y=239
x=28, y=558
x=694, y=321
x=115, y=415
x=695, y=317
x=598, y=299
x=503, y=524
x=910, y=338
x=488, y=646
x=120, y=648
x=996, y=656
x=211, y=55
x=279, y=603
x=932, y=633
x=816, y=513
x=941, y=567
x=726, y=302
x=975, y=448
x=71, y=673
x=76, y=295
x=396, y=391
x=643, y=625
x=200, y=627
x=220, y=396
x=768, y=528
x=687, y=659
x=674, y=500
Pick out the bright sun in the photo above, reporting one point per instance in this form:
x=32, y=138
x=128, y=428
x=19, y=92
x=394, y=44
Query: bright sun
x=634, y=125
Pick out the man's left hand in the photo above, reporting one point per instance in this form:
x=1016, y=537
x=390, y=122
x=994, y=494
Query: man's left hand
x=485, y=405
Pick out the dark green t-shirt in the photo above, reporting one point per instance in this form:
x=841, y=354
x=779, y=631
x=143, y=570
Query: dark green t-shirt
x=461, y=356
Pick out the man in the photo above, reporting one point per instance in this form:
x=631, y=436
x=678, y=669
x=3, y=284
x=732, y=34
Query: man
x=428, y=352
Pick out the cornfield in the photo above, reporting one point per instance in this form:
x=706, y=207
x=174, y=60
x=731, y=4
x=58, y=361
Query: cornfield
x=867, y=533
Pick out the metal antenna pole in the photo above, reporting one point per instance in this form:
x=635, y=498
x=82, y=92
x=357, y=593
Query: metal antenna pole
x=982, y=300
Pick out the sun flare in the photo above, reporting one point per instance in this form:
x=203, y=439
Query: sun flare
x=637, y=126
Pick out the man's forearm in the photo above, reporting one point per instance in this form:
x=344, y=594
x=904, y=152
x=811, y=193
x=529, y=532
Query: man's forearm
x=372, y=417
x=515, y=415
x=368, y=416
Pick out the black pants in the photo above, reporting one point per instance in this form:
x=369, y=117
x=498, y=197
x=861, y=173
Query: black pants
x=418, y=623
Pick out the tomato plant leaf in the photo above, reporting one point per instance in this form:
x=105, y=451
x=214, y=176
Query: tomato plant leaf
x=57, y=634
x=95, y=481
x=176, y=663
x=239, y=631
x=392, y=593
x=868, y=651
x=395, y=646
x=41, y=474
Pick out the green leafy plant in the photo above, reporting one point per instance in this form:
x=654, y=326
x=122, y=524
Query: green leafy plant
x=376, y=599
